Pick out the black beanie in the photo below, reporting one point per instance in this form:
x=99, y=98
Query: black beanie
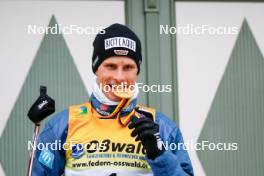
x=116, y=40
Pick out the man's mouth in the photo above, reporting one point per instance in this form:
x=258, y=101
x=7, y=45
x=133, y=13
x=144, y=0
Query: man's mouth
x=122, y=90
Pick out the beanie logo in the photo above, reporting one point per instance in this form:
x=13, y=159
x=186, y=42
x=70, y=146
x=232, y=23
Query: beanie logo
x=120, y=42
x=121, y=52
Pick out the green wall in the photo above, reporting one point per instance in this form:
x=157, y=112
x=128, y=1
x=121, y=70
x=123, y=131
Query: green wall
x=237, y=113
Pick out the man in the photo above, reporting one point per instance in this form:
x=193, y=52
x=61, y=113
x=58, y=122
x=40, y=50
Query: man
x=111, y=134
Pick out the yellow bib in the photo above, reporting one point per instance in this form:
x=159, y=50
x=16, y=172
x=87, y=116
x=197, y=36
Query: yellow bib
x=101, y=145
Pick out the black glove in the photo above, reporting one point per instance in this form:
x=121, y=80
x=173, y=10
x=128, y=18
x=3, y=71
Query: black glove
x=147, y=131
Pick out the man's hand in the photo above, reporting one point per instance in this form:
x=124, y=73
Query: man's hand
x=147, y=131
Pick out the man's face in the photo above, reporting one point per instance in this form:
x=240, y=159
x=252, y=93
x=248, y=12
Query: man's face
x=115, y=71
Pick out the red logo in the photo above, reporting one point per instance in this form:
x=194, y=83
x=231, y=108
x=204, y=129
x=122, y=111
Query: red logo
x=103, y=107
x=121, y=52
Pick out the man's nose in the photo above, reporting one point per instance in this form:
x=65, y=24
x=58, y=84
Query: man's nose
x=119, y=76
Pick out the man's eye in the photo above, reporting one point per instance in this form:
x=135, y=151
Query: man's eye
x=128, y=67
x=110, y=66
